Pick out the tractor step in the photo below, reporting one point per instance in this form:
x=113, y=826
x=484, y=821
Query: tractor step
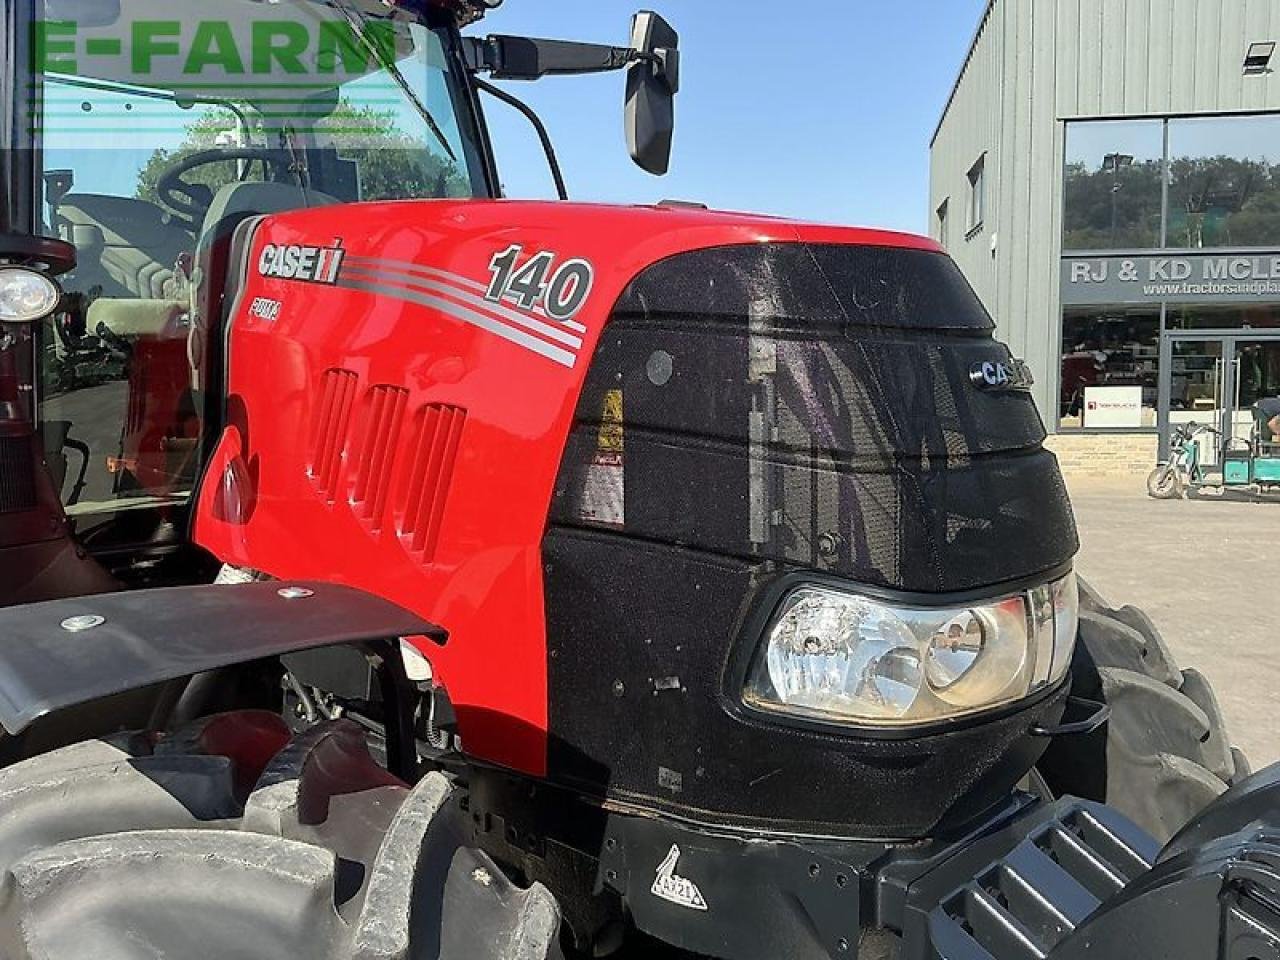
x=1074, y=880
x=1025, y=902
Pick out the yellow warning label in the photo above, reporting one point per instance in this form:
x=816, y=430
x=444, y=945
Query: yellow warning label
x=611, y=430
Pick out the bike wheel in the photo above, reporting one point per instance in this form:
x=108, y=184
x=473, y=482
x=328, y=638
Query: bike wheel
x=1164, y=483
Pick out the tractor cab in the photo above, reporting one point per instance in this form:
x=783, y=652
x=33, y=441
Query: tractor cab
x=157, y=136
x=145, y=139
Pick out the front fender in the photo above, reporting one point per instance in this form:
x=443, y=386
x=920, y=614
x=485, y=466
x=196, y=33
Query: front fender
x=64, y=653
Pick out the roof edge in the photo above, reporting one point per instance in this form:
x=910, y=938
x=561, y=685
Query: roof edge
x=964, y=68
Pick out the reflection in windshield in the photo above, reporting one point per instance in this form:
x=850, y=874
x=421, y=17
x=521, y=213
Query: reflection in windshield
x=161, y=135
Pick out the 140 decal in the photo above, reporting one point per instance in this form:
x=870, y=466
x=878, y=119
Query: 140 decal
x=562, y=291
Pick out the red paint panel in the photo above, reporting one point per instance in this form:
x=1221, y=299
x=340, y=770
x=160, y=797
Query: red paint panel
x=402, y=434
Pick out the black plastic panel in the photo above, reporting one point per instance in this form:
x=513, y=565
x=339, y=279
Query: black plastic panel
x=17, y=475
x=751, y=404
x=1018, y=890
x=809, y=287
x=150, y=636
x=640, y=636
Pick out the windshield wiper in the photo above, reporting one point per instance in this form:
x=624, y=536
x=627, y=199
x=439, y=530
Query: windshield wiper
x=356, y=21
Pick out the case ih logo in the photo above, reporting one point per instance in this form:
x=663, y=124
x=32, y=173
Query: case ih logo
x=309, y=264
x=1010, y=375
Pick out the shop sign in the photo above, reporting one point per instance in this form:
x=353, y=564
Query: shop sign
x=1231, y=277
x=1113, y=406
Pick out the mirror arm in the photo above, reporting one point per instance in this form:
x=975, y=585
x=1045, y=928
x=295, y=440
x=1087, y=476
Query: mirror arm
x=525, y=58
x=668, y=66
x=547, y=146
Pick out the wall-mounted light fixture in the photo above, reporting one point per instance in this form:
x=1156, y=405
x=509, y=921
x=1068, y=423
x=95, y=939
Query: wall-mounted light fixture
x=1258, y=58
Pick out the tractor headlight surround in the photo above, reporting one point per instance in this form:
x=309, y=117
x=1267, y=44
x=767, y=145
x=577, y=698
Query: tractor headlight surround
x=838, y=656
x=26, y=295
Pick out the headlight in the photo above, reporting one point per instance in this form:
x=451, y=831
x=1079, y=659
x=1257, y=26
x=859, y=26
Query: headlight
x=847, y=658
x=26, y=295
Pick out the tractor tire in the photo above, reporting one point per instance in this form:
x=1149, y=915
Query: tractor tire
x=233, y=839
x=1163, y=755
x=1164, y=483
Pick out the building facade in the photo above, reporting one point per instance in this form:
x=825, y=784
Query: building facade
x=1107, y=175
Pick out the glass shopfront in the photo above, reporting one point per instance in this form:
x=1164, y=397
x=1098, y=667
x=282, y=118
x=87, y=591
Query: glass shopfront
x=1210, y=316
x=1170, y=273
x=1107, y=347
x=1224, y=182
x=1216, y=381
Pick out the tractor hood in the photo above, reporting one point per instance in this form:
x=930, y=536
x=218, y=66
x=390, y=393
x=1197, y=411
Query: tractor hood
x=589, y=441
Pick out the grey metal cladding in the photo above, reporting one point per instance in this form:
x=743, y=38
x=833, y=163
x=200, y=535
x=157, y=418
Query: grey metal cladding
x=1035, y=64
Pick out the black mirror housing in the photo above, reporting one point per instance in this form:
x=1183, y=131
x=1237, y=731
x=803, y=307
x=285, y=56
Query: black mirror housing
x=652, y=83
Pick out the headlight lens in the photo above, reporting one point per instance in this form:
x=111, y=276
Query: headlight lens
x=26, y=295
x=848, y=658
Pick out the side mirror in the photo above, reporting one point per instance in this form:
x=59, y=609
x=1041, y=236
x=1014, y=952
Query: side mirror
x=652, y=83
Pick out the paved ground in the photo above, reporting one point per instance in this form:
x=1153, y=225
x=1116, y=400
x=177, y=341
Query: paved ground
x=1208, y=573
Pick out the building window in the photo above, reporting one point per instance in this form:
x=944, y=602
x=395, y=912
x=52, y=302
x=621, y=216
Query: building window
x=1249, y=316
x=1112, y=196
x=1224, y=182
x=977, y=193
x=1109, y=347
x=1223, y=175
x=942, y=221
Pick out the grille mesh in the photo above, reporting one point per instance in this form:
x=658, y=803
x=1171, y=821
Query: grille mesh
x=815, y=405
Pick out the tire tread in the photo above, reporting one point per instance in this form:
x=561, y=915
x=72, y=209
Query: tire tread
x=156, y=850
x=1165, y=748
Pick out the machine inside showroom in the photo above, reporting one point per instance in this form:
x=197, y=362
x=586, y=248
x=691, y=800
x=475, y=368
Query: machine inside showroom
x=484, y=578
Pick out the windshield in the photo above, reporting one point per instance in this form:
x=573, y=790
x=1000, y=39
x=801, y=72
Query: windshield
x=367, y=102
x=157, y=135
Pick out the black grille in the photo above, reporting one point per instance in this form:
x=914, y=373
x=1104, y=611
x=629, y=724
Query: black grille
x=17, y=475
x=813, y=405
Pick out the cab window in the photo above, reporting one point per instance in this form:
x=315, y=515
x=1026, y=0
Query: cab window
x=158, y=136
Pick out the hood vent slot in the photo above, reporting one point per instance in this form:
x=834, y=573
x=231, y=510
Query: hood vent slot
x=333, y=420
x=436, y=451
x=384, y=422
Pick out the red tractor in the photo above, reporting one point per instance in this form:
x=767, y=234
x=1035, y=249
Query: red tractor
x=436, y=575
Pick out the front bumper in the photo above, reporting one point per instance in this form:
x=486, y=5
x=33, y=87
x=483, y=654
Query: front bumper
x=1030, y=880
